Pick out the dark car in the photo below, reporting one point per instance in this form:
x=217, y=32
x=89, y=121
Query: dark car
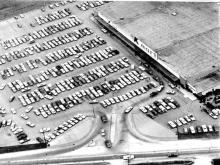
x=104, y=118
x=154, y=112
x=205, y=110
x=176, y=104
x=40, y=140
x=150, y=115
x=172, y=155
x=108, y=143
x=153, y=94
x=199, y=129
x=215, y=128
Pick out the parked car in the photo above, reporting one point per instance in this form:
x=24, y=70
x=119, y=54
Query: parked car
x=127, y=110
x=172, y=124
x=204, y=128
x=199, y=129
x=104, y=118
x=108, y=143
x=40, y=140
x=192, y=130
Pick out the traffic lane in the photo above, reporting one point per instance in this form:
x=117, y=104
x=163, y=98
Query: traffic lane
x=117, y=124
x=84, y=158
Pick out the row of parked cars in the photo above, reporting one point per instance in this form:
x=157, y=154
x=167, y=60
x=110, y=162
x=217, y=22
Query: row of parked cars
x=85, y=78
x=68, y=66
x=76, y=81
x=61, y=40
x=46, y=31
x=59, y=105
x=69, y=37
x=14, y=42
x=42, y=76
x=32, y=64
x=62, y=3
x=76, y=98
x=133, y=93
x=89, y=4
x=31, y=37
x=200, y=129
x=182, y=121
x=159, y=107
x=16, y=130
x=65, y=126
x=214, y=113
x=77, y=53
x=8, y=72
x=2, y=110
x=52, y=57
x=59, y=14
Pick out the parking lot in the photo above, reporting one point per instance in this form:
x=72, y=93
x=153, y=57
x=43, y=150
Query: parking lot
x=69, y=75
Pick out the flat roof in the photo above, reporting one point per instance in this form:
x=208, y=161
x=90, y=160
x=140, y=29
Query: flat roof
x=187, y=42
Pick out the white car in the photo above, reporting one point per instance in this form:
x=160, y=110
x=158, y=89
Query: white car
x=191, y=117
x=24, y=116
x=30, y=124
x=128, y=157
x=178, y=122
x=13, y=111
x=210, y=128
x=187, y=118
x=170, y=99
x=215, y=111
x=172, y=105
x=29, y=109
x=9, y=121
x=172, y=124
x=192, y=129
x=204, y=128
x=128, y=109
x=103, y=133
x=143, y=109
x=183, y=120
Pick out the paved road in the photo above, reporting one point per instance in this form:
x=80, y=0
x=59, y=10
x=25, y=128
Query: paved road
x=111, y=156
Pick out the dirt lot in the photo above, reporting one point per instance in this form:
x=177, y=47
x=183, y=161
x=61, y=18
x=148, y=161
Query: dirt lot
x=10, y=28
